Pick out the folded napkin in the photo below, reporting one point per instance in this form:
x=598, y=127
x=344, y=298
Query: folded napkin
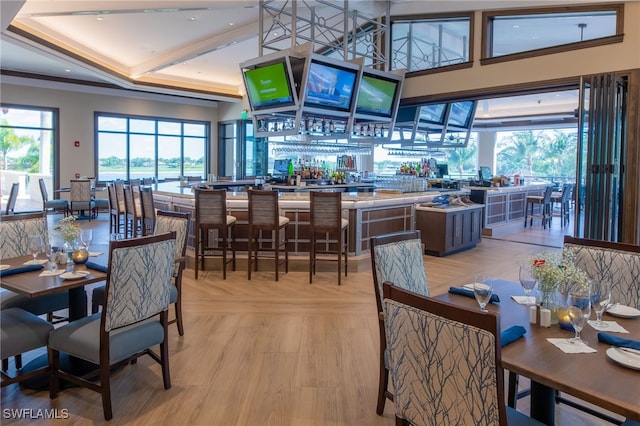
x=95, y=253
x=524, y=300
x=51, y=273
x=571, y=348
x=469, y=293
x=511, y=334
x=20, y=270
x=36, y=262
x=610, y=326
x=96, y=266
x=618, y=341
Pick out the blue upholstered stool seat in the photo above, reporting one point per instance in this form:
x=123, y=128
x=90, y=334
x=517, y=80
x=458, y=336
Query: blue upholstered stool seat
x=82, y=338
x=22, y=332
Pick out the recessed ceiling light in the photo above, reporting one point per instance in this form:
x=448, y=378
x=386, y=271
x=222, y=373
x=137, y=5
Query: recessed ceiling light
x=515, y=27
x=193, y=18
x=67, y=70
x=100, y=18
x=230, y=24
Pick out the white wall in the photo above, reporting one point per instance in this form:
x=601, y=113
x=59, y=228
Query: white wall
x=77, y=119
x=601, y=59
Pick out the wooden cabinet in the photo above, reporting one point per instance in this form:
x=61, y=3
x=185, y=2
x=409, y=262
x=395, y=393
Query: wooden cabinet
x=446, y=231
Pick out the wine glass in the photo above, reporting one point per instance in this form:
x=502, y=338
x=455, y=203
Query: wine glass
x=579, y=310
x=86, y=237
x=528, y=282
x=34, y=244
x=600, y=299
x=482, y=289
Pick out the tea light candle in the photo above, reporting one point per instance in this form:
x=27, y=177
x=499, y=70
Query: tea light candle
x=563, y=319
x=80, y=256
x=545, y=317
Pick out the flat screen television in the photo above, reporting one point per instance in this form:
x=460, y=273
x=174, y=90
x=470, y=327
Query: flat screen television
x=376, y=95
x=330, y=86
x=433, y=113
x=460, y=114
x=268, y=86
x=280, y=167
x=443, y=170
x=485, y=173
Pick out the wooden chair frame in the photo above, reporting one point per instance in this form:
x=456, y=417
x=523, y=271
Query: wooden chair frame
x=325, y=217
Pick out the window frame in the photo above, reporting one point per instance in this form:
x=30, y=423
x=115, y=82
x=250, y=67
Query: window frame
x=156, y=135
x=487, y=31
x=435, y=16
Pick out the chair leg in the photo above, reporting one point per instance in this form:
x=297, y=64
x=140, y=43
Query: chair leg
x=197, y=243
x=382, y=388
x=54, y=364
x=233, y=247
x=340, y=257
x=512, y=397
x=164, y=354
x=312, y=256
x=250, y=253
x=346, y=251
x=18, y=361
x=179, y=315
x=5, y=364
x=277, y=256
x=224, y=255
x=105, y=390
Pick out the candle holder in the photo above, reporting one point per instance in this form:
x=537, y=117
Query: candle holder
x=80, y=256
x=563, y=318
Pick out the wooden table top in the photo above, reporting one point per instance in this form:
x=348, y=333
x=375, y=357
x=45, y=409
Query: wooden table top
x=32, y=285
x=592, y=377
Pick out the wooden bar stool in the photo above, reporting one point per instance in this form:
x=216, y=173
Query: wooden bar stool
x=264, y=216
x=211, y=214
x=544, y=201
x=326, y=218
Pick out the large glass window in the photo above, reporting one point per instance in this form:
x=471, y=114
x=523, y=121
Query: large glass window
x=146, y=147
x=429, y=43
x=549, y=31
x=27, y=147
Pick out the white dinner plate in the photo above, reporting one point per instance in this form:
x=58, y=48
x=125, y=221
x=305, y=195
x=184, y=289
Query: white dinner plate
x=74, y=275
x=623, y=311
x=625, y=358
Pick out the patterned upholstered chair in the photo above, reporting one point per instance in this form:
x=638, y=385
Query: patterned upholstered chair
x=397, y=258
x=21, y=332
x=325, y=218
x=14, y=232
x=445, y=362
x=134, y=318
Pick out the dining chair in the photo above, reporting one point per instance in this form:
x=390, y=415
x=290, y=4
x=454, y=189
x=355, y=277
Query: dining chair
x=396, y=257
x=13, y=197
x=133, y=216
x=325, y=217
x=133, y=321
x=544, y=201
x=116, y=220
x=55, y=205
x=14, y=233
x=211, y=215
x=21, y=332
x=102, y=203
x=80, y=197
x=264, y=215
x=119, y=187
x=445, y=362
x=148, y=211
x=564, y=199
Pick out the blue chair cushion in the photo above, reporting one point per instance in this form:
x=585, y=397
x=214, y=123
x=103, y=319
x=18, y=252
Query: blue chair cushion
x=22, y=332
x=36, y=305
x=81, y=338
x=515, y=417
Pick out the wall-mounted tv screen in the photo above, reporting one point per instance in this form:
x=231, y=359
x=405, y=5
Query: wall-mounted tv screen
x=280, y=167
x=443, y=170
x=376, y=95
x=460, y=114
x=268, y=86
x=433, y=113
x=330, y=86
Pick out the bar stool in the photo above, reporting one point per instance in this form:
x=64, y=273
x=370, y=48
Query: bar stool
x=115, y=217
x=326, y=218
x=264, y=216
x=544, y=201
x=119, y=187
x=564, y=198
x=211, y=214
x=148, y=211
x=133, y=216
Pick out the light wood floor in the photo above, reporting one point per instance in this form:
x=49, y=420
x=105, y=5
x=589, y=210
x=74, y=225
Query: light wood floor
x=262, y=352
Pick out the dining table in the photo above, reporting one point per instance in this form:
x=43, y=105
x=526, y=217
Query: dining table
x=591, y=377
x=33, y=284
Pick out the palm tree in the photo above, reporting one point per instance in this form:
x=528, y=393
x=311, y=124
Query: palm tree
x=9, y=141
x=463, y=158
x=522, y=149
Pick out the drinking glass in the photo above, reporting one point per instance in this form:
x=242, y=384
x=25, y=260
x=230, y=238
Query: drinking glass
x=528, y=283
x=34, y=244
x=482, y=289
x=579, y=310
x=86, y=237
x=52, y=256
x=600, y=299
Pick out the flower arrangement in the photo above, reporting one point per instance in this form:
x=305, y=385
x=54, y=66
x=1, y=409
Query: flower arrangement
x=557, y=272
x=67, y=229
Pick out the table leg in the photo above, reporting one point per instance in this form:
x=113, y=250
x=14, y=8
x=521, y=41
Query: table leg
x=77, y=303
x=543, y=403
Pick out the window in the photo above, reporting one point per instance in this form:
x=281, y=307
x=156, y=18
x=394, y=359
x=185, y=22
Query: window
x=520, y=33
x=431, y=43
x=144, y=147
x=27, y=145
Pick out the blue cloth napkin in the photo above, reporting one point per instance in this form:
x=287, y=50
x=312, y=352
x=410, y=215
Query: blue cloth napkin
x=618, y=341
x=469, y=293
x=20, y=270
x=511, y=334
x=96, y=266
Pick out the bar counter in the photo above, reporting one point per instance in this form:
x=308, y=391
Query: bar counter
x=369, y=214
x=504, y=206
